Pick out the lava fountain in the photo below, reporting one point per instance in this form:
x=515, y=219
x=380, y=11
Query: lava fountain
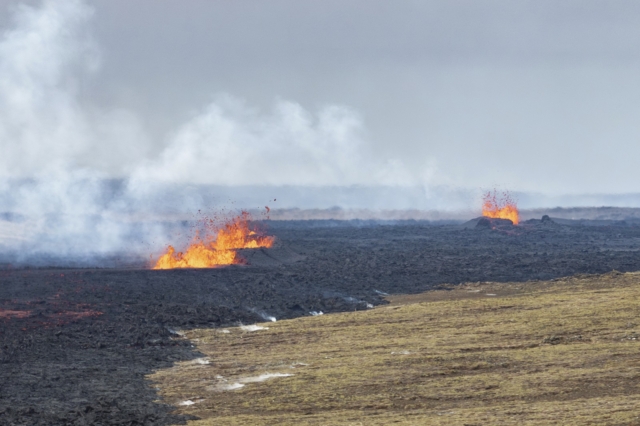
x=500, y=206
x=216, y=246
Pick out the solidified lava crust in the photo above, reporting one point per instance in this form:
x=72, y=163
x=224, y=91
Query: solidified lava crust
x=75, y=345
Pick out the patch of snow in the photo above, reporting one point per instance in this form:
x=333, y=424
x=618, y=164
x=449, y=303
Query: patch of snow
x=369, y=306
x=232, y=386
x=401, y=353
x=263, y=377
x=201, y=361
x=491, y=294
x=224, y=330
x=382, y=293
x=315, y=314
x=253, y=327
x=240, y=383
x=187, y=402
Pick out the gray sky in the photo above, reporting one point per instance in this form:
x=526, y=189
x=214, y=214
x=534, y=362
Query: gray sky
x=529, y=95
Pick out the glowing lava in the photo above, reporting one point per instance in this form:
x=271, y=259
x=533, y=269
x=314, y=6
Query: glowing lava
x=216, y=250
x=500, y=206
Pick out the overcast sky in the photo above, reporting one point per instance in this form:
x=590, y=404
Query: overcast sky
x=528, y=95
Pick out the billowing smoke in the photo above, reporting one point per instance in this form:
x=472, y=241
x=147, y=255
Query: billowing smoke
x=80, y=181
x=44, y=128
x=44, y=59
x=57, y=154
x=228, y=143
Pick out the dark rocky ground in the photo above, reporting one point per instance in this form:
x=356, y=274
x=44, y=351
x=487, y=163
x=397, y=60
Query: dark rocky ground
x=75, y=344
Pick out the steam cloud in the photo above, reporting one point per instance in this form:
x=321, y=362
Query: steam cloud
x=77, y=179
x=231, y=144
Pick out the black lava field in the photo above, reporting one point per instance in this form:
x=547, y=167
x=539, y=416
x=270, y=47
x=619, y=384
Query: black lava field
x=76, y=344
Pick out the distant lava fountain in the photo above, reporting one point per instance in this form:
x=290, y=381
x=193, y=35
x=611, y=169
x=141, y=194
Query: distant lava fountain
x=217, y=247
x=500, y=206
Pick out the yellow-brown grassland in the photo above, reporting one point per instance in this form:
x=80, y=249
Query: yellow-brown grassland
x=559, y=352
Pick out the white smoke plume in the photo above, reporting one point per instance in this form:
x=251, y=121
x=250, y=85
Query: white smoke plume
x=76, y=179
x=56, y=153
x=44, y=129
x=228, y=143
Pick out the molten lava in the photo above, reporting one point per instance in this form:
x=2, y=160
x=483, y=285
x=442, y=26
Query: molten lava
x=500, y=206
x=218, y=247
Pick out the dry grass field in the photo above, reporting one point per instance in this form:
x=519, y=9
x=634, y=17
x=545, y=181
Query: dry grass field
x=559, y=352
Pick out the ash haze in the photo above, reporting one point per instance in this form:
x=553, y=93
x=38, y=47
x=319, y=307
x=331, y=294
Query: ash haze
x=112, y=109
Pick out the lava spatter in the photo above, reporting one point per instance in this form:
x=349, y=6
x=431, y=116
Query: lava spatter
x=500, y=206
x=216, y=245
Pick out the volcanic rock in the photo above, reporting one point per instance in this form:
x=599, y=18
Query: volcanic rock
x=484, y=222
x=76, y=344
x=546, y=222
x=279, y=254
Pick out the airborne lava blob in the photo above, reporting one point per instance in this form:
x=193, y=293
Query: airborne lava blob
x=217, y=247
x=500, y=206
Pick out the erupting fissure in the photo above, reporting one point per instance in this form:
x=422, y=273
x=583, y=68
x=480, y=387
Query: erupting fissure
x=500, y=206
x=217, y=246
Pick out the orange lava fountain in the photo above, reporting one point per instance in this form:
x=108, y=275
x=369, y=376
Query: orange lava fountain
x=500, y=206
x=213, y=251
